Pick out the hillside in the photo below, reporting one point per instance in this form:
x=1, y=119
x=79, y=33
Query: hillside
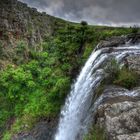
x=40, y=56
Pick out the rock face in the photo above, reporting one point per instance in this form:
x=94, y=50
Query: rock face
x=119, y=40
x=112, y=42
x=18, y=21
x=134, y=63
x=42, y=131
x=119, y=113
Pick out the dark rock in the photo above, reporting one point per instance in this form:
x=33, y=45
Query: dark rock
x=42, y=131
x=112, y=42
x=120, y=40
x=134, y=38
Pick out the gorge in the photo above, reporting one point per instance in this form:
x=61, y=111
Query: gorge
x=40, y=96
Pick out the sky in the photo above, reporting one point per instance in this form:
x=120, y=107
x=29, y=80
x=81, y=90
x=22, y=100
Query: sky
x=99, y=12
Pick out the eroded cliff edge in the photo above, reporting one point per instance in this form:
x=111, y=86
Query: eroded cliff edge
x=119, y=113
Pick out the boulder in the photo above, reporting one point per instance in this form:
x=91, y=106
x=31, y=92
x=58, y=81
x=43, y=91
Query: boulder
x=119, y=113
x=134, y=63
x=112, y=42
x=117, y=41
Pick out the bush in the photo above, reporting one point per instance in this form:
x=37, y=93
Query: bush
x=21, y=46
x=84, y=23
x=1, y=48
x=120, y=76
x=112, y=69
x=126, y=78
x=135, y=29
x=96, y=133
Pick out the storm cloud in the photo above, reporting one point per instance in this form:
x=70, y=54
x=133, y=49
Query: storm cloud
x=108, y=12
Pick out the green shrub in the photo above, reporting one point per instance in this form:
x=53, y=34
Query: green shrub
x=7, y=136
x=121, y=76
x=84, y=23
x=135, y=29
x=112, y=69
x=126, y=78
x=96, y=133
x=21, y=46
x=1, y=48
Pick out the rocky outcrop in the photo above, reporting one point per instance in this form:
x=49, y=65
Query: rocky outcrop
x=119, y=113
x=19, y=22
x=43, y=130
x=112, y=42
x=119, y=40
x=134, y=63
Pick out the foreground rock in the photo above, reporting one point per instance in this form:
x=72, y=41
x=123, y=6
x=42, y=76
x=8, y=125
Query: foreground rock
x=119, y=114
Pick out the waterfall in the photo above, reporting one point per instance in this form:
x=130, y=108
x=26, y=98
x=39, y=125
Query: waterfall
x=73, y=120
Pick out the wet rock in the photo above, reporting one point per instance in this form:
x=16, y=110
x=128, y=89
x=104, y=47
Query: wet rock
x=112, y=42
x=134, y=38
x=119, y=40
x=134, y=63
x=42, y=131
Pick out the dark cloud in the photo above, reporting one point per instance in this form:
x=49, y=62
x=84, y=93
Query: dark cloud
x=111, y=12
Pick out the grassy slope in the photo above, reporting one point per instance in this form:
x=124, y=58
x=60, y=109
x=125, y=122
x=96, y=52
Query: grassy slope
x=37, y=89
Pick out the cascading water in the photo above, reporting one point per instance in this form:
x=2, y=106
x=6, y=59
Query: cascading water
x=75, y=114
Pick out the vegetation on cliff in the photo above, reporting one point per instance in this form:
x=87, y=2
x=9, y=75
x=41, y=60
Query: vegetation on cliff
x=35, y=85
x=119, y=77
x=34, y=80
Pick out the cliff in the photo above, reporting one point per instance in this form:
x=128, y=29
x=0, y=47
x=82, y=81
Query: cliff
x=40, y=56
x=117, y=116
x=19, y=22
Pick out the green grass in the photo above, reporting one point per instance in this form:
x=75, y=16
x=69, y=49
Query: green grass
x=127, y=78
x=96, y=133
x=122, y=76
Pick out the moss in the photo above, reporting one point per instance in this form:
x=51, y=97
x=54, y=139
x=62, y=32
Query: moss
x=96, y=133
x=7, y=136
x=127, y=78
x=100, y=89
x=118, y=76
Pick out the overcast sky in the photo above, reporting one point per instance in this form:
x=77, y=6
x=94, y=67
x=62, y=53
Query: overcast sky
x=109, y=12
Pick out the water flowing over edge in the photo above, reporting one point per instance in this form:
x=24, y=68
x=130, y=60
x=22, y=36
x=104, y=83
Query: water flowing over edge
x=75, y=115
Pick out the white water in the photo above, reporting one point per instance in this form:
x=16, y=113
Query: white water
x=73, y=120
